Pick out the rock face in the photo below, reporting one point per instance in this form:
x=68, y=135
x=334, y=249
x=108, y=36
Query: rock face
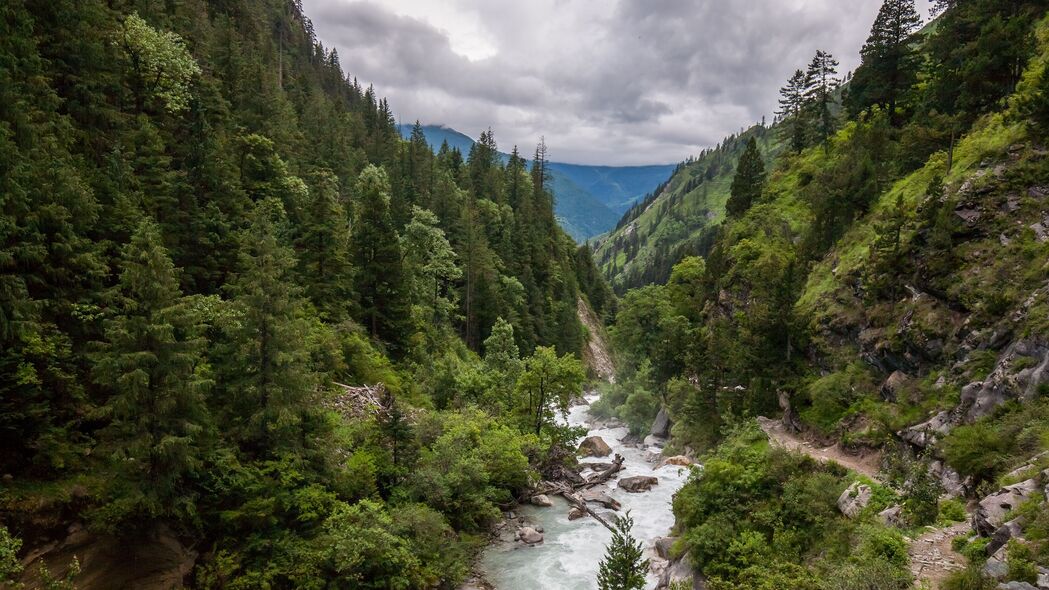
x=990, y=514
x=661, y=425
x=529, y=535
x=663, y=545
x=927, y=433
x=594, y=446
x=638, y=483
x=1006, y=382
x=854, y=499
x=158, y=561
x=541, y=500
x=680, y=570
x=894, y=385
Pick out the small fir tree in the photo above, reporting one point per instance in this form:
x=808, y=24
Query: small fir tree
x=749, y=181
x=623, y=567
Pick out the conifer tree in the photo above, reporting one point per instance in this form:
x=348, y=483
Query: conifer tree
x=377, y=261
x=623, y=567
x=152, y=364
x=267, y=370
x=792, y=105
x=322, y=249
x=889, y=60
x=749, y=181
x=430, y=266
x=819, y=93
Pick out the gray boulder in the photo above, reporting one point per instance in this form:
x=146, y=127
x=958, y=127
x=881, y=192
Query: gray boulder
x=663, y=545
x=1010, y=530
x=601, y=498
x=638, y=483
x=990, y=514
x=542, y=500
x=1016, y=586
x=680, y=570
x=996, y=568
x=891, y=516
x=854, y=499
x=576, y=513
x=529, y=535
x=894, y=385
x=661, y=425
x=927, y=433
x=1006, y=382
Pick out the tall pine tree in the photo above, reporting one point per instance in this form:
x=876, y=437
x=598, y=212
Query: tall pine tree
x=749, y=181
x=152, y=364
x=889, y=60
x=623, y=567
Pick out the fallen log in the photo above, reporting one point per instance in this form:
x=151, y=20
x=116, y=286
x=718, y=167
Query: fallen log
x=579, y=502
x=602, y=476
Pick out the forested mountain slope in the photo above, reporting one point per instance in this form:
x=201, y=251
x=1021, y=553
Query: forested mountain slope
x=587, y=199
x=882, y=286
x=245, y=328
x=679, y=218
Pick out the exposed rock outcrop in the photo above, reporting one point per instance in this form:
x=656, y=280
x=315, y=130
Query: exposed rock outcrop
x=990, y=514
x=854, y=499
x=1020, y=370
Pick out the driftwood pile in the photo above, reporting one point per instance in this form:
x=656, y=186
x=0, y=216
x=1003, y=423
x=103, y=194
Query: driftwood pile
x=570, y=491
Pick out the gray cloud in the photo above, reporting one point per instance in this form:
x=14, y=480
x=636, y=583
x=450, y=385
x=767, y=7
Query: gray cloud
x=609, y=82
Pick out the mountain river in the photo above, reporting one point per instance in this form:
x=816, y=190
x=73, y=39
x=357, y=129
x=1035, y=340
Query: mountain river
x=569, y=556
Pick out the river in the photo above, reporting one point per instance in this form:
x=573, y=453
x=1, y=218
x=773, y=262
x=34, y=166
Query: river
x=569, y=556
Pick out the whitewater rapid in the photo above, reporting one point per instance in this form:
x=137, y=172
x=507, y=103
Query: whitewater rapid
x=569, y=556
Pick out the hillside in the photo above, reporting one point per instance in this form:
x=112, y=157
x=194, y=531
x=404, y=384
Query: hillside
x=249, y=336
x=679, y=219
x=885, y=297
x=588, y=199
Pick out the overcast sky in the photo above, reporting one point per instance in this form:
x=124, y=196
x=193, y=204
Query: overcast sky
x=606, y=81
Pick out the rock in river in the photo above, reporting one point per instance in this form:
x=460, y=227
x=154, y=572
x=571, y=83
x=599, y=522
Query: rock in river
x=529, y=535
x=594, y=446
x=541, y=500
x=602, y=499
x=638, y=483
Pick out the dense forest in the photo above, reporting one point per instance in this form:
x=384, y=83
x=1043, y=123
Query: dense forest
x=872, y=268
x=245, y=327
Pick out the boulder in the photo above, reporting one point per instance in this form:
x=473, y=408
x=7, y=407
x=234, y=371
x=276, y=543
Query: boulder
x=894, y=385
x=680, y=571
x=891, y=516
x=1010, y=530
x=527, y=534
x=594, y=446
x=1014, y=585
x=654, y=441
x=996, y=567
x=661, y=425
x=638, y=483
x=679, y=460
x=576, y=513
x=542, y=500
x=854, y=499
x=951, y=481
x=926, y=434
x=601, y=498
x=663, y=546
x=990, y=513
x=598, y=466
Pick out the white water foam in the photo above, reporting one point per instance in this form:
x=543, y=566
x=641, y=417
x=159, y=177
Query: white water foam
x=569, y=556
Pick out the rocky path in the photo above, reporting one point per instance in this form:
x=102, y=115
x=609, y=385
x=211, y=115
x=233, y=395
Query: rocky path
x=932, y=558
x=867, y=465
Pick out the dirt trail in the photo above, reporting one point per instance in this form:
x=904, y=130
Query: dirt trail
x=867, y=465
x=931, y=556
x=595, y=355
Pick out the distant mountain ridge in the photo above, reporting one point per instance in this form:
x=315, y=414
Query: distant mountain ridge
x=589, y=200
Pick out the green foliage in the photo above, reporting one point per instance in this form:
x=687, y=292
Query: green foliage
x=10, y=567
x=971, y=578
x=161, y=66
x=623, y=567
x=546, y=386
x=749, y=181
